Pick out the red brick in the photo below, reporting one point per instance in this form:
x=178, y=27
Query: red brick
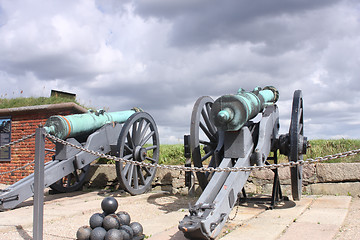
x=23, y=153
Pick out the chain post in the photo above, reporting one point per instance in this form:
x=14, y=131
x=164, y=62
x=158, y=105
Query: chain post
x=38, y=215
x=189, y=176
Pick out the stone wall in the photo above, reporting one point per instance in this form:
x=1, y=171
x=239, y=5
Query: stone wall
x=322, y=178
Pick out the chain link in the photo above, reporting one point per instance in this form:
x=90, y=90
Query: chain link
x=207, y=169
x=17, y=141
x=13, y=143
x=13, y=170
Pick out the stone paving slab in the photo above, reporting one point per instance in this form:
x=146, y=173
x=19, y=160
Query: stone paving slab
x=324, y=214
x=303, y=231
x=350, y=229
x=322, y=220
x=160, y=212
x=271, y=223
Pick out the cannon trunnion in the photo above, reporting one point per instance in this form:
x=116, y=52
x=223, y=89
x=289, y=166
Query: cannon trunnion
x=223, y=135
x=130, y=135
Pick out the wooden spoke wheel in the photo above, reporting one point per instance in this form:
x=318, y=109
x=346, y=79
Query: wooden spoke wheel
x=298, y=144
x=72, y=182
x=204, y=139
x=139, y=142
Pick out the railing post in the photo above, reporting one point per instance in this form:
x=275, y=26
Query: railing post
x=189, y=176
x=38, y=215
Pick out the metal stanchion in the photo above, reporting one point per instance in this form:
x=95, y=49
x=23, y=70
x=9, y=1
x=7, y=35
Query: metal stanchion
x=189, y=176
x=38, y=215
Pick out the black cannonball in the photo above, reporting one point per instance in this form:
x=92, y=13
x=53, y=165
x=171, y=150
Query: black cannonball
x=83, y=233
x=111, y=221
x=96, y=220
x=114, y=234
x=109, y=205
x=137, y=228
x=127, y=229
x=124, y=218
x=98, y=233
x=125, y=234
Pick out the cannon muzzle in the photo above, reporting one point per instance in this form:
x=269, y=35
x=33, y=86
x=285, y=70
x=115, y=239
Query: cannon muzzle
x=231, y=112
x=83, y=124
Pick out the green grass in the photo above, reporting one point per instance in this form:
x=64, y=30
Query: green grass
x=174, y=154
x=321, y=148
x=32, y=101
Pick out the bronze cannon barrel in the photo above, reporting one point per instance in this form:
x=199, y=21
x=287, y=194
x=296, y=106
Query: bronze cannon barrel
x=230, y=112
x=83, y=124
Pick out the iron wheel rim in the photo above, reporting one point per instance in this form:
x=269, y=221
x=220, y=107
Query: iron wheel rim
x=71, y=182
x=138, y=140
x=296, y=133
x=201, y=123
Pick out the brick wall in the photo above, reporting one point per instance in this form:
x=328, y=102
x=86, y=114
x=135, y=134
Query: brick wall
x=24, y=152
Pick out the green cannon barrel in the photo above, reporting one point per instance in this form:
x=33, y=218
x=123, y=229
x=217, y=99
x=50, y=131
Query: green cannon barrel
x=83, y=124
x=231, y=112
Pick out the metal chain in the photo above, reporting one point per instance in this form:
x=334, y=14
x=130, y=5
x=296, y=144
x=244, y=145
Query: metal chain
x=207, y=169
x=183, y=168
x=236, y=211
x=17, y=141
x=13, y=170
x=13, y=143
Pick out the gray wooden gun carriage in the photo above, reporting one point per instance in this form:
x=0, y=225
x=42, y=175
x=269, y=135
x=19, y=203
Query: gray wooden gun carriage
x=228, y=137
x=130, y=135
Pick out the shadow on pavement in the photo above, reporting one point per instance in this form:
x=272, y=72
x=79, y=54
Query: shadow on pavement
x=264, y=202
x=51, y=196
x=169, y=202
x=23, y=233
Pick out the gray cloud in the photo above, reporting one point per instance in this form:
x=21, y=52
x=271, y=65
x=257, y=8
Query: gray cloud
x=163, y=55
x=203, y=22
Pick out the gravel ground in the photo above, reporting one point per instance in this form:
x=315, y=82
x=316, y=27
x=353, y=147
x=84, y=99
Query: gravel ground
x=351, y=226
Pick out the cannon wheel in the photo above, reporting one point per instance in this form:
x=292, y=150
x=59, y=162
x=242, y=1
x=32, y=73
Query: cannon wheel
x=72, y=182
x=138, y=141
x=203, y=135
x=296, y=133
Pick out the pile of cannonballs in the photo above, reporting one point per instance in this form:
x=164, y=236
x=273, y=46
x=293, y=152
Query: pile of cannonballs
x=110, y=225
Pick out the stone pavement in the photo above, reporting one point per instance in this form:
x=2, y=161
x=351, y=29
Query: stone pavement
x=314, y=217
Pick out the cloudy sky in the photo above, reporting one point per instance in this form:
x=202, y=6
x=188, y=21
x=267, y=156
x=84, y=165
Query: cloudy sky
x=162, y=55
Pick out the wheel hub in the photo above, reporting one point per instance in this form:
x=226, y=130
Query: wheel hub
x=140, y=154
x=302, y=144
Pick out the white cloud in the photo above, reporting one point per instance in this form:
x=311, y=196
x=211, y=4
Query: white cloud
x=162, y=56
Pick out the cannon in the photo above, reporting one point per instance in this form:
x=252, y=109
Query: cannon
x=238, y=131
x=131, y=135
